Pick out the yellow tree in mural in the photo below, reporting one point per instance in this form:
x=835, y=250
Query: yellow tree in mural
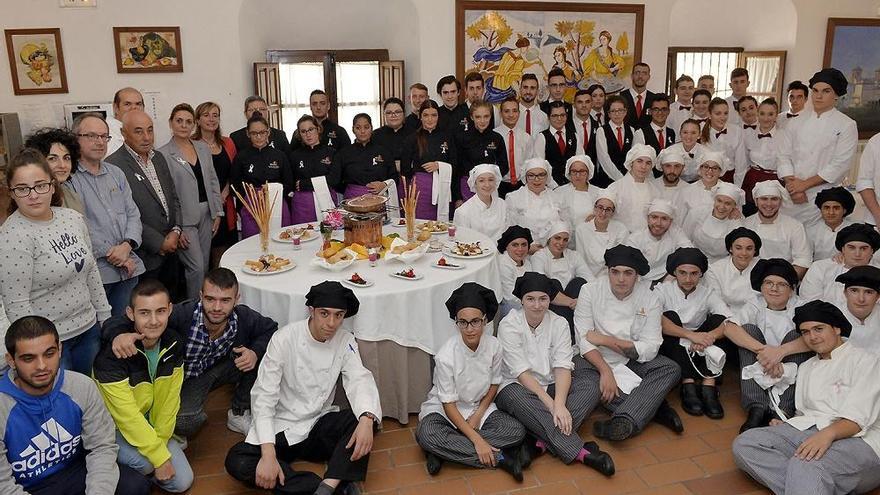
x=491, y=30
x=623, y=43
x=580, y=38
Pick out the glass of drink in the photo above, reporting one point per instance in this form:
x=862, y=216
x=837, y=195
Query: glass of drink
x=451, y=230
x=373, y=255
x=296, y=239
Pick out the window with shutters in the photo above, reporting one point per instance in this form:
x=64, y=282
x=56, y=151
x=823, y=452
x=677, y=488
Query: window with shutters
x=766, y=69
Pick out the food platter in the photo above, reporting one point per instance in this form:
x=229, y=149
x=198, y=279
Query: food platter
x=268, y=265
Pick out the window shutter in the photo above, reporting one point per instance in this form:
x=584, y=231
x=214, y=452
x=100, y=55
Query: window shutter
x=268, y=85
x=391, y=81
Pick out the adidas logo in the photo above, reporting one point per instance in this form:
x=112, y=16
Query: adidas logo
x=52, y=445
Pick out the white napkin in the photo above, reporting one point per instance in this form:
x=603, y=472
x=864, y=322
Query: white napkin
x=393, y=200
x=715, y=357
x=276, y=194
x=440, y=190
x=626, y=379
x=774, y=386
x=323, y=199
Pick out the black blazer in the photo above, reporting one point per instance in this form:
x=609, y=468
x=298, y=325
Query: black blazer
x=631, y=118
x=651, y=137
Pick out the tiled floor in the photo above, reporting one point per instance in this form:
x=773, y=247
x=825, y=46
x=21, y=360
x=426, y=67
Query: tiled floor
x=655, y=462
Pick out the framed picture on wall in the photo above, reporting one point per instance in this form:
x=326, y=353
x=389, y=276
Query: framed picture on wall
x=592, y=43
x=147, y=49
x=853, y=47
x=36, y=61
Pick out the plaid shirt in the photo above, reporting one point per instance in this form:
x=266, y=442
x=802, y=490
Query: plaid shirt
x=201, y=351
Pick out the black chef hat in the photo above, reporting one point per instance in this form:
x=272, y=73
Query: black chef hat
x=738, y=232
x=534, y=282
x=772, y=266
x=513, y=232
x=623, y=255
x=329, y=294
x=833, y=77
x=686, y=256
x=839, y=194
x=861, y=276
x=863, y=232
x=823, y=312
x=472, y=295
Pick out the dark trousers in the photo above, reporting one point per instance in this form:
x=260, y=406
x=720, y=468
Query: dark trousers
x=72, y=481
x=194, y=392
x=572, y=290
x=676, y=352
x=171, y=276
x=326, y=442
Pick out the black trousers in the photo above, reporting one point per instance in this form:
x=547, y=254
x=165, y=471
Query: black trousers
x=170, y=273
x=326, y=442
x=676, y=352
x=572, y=290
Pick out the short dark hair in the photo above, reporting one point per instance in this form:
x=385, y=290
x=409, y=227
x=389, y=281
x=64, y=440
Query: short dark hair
x=253, y=98
x=450, y=79
x=509, y=99
x=317, y=92
x=182, y=107
x=43, y=139
x=258, y=118
x=614, y=99
x=660, y=97
x=798, y=85
x=473, y=76
x=683, y=78
x=747, y=97
x=528, y=77
x=362, y=116
x=641, y=64
x=770, y=101
x=555, y=72
x=145, y=288
x=594, y=87
x=702, y=92
x=77, y=122
x=223, y=278
x=555, y=104
x=582, y=92
x=392, y=101
x=27, y=328
x=739, y=72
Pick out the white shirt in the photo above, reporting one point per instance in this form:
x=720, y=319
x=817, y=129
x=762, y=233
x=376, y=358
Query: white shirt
x=693, y=160
x=600, y=119
x=869, y=172
x=489, y=220
x=865, y=335
x=845, y=386
x=640, y=133
x=696, y=197
x=669, y=193
x=539, y=143
x=635, y=318
x=819, y=282
x=734, y=286
x=539, y=119
x=765, y=152
x=784, y=238
x=602, y=155
x=463, y=377
x=508, y=272
x=538, y=351
x=296, y=382
x=691, y=308
x=733, y=117
x=792, y=124
x=564, y=268
x=522, y=149
x=115, y=132
x=731, y=144
x=575, y=206
x=822, y=238
x=632, y=201
x=578, y=125
x=708, y=233
x=536, y=212
x=656, y=250
x=677, y=116
x=774, y=324
x=592, y=244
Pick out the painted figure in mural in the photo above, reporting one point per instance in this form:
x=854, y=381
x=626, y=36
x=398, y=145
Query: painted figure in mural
x=572, y=75
x=39, y=62
x=602, y=62
x=505, y=81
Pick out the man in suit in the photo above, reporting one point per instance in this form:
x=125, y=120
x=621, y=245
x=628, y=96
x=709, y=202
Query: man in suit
x=556, y=84
x=638, y=98
x=124, y=100
x=656, y=133
x=152, y=189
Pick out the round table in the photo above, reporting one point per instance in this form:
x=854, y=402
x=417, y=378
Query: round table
x=400, y=323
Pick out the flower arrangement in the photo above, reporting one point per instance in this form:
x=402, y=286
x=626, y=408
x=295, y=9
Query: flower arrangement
x=334, y=219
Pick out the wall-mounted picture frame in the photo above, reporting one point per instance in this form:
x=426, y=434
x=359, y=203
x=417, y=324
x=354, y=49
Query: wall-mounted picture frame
x=147, y=49
x=852, y=45
x=36, y=61
x=590, y=42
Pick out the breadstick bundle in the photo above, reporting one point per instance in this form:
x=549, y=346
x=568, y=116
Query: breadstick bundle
x=256, y=201
x=408, y=204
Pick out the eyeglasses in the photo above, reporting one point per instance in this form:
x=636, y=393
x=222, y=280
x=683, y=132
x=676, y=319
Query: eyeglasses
x=393, y=112
x=557, y=85
x=710, y=167
x=309, y=130
x=558, y=116
x=579, y=172
x=617, y=110
x=258, y=133
x=95, y=137
x=659, y=110
x=25, y=191
x=604, y=209
x=476, y=323
x=542, y=175
x=776, y=285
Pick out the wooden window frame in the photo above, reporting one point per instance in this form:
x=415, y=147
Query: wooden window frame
x=672, y=61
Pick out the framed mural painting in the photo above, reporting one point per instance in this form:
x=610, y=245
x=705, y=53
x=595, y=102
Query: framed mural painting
x=853, y=47
x=147, y=49
x=36, y=61
x=592, y=43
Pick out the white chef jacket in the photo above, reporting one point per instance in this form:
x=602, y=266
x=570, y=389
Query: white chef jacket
x=692, y=308
x=536, y=212
x=865, y=334
x=538, y=351
x=592, y=244
x=775, y=325
x=563, y=269
x=692, y=160
x=792, y=124
x=575, y=206
x=635, y=318
x=869, y=172
x=708, y=233
x=784, y=238
x=602, y=155
x=539, y=119
x=734, y=286
x=845, y=386
x=671, y=194
x=824, y=145
x=522, y=149
x=731, y=144
x=464, y=377
x=695, y=197
x=819, y=282
x=296, y=382
x=657, y=250
x=632, y=201
x=677, y=116
x=508, y=272
x=821, y=238
x=578, y=125
x=765, y=152
x=488, y=220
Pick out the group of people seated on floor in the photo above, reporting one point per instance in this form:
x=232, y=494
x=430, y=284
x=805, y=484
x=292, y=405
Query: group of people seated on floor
x=641, y=244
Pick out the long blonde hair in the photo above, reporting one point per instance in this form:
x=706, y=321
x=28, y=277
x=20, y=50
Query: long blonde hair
x=205, y=108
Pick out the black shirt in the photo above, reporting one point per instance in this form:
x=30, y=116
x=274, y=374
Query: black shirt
x=222, y=167
x=392, y=140
x=361, y=164
x=475, y=147
x=200, y=181
x=332, y=135
x=308, y=162
x=454, y=120
x=440, y=148
x=277, y=139
x=257, y=167
x=412, y=123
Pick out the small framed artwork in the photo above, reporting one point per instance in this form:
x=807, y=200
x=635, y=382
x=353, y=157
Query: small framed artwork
x=147, y=49
x=36, y=61
x=853, y=46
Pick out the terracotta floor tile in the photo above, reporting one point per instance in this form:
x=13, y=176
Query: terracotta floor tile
x=407, y=455
x=676, y=489
x=720, y=439
x=717, y=462
x=393, y=439
x=621, y=482
x=216, y=485
x=632, y=458
x=679, y=448
x=550, y=472
x=398, y=477
x=449, y=487
x=729, y=483
x=563, y=488
x=670, y=472
x=495, y=481
x=380, y=459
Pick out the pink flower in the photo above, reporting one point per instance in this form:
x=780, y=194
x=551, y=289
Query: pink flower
x=335, y=219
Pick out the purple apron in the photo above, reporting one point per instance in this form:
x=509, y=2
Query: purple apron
x=249, y=225
x=424, y=209
x=355, y=190
x=303, y=207
x=466, y=192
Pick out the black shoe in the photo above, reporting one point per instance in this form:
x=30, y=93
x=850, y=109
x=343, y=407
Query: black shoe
x=528, y=451
x=511, y=465
x=598, y=460
x=690, y=399
x=617, y=428
x=757, y=417
x=351, y=489
x=667, y=417
x=711, y=404
x=433, y=463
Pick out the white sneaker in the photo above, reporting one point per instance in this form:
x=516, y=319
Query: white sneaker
x=239, y=423
x=181, y=440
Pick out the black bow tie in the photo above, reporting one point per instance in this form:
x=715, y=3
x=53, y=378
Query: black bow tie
x=702, y=120
x=691, y=155
x=719, y=133
x=750, y=126
x=790, y=115
x=762, y=136
x=684, y=108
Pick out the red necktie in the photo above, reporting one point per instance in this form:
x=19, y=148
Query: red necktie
x=528, y=121
x=639, y=105
x=560, y=142
x=661, y=139
x=511, y=162
x=586, y=136
x=620, y=138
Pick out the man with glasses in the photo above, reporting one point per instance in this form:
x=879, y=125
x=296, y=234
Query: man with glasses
x=655, y=133
x=254, y=105
x=124, y=101
x=558, y=143
x=638, y=98
x=556, y=84
x=111, y=214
